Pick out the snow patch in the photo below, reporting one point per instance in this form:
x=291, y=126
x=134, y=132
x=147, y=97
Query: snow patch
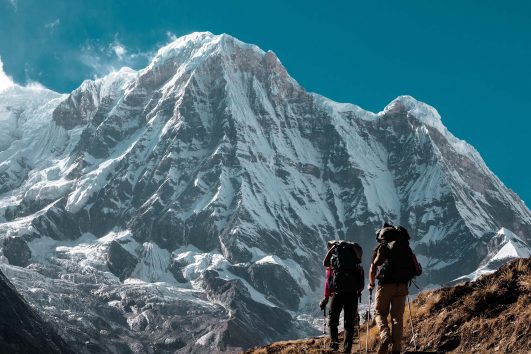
x=196, y=263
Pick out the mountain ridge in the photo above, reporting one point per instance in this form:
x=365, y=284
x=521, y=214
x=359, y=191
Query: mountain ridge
x=216, y=175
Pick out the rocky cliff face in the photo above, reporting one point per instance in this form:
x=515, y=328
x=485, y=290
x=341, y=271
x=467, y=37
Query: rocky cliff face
x=186, y=206
x=22, y=330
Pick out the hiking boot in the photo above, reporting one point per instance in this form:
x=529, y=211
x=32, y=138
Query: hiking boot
x=384, y=345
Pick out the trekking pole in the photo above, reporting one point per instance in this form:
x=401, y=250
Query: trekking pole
x=413, y=334
x=359, y=332
x=324, y=328
x=368, y=317
x=358, y=319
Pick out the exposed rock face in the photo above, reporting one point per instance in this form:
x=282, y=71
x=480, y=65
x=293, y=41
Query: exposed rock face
x=176, y=269
x=268, y=322
x=274, y=281
x=22, y=330
x=16, y=251
x=120, y=262
x=200, y=189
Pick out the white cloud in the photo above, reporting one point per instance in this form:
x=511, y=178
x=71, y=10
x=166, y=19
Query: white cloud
x=103, y=59
x=14, y=3
x=119, y=49
x=171, y=36
x=5, y=81
x=52, y=25
x=36, y=85
x=91, y=56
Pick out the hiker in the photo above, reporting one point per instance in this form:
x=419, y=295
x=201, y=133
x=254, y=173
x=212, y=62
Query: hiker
x=327, y=290
x=393, y=265
x=344, y=285
x=328, y=274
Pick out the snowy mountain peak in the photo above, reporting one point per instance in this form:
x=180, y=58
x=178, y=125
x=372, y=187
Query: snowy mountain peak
x=511, y=246
x=503, y=247
x=411, y=108
x=416, y=109
x=199, y=45
x=214, y=174
x=202, y=58
x=194, y=40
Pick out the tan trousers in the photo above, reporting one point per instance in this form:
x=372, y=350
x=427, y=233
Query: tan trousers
x=390, y=298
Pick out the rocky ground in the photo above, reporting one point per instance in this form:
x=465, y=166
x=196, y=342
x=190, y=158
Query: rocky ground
x=489, y=315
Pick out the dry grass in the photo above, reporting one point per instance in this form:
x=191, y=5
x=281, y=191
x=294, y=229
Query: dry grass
x=487, y=316
x=522, y=265
x=525, y=283
x=425, y=304
x=374, y=336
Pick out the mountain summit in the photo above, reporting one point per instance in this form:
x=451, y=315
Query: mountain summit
x=186, y=206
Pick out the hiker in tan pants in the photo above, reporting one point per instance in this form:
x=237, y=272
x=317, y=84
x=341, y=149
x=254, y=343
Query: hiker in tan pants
x=390, y=298
x=391, y=292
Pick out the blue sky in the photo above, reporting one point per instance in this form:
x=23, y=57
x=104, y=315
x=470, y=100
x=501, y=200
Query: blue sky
x=469, y=59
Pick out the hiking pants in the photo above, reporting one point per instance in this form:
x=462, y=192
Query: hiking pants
x=348, y=302
x=390, y=298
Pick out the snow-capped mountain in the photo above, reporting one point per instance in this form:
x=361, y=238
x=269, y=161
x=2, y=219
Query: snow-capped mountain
x=186, y=206
x=503, y=247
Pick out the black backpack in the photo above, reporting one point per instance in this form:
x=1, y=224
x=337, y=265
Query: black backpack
x=347, y=273
x=401, y=265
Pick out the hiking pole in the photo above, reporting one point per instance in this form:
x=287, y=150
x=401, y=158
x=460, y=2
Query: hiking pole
x=324, y=328
x=359, y=332
x=368, y=317
x=413, y=334
x=358, y=320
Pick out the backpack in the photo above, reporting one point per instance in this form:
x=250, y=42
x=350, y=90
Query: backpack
x=401, y=265
x=347, y=275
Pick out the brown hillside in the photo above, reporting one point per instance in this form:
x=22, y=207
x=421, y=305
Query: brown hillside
x=489, y=315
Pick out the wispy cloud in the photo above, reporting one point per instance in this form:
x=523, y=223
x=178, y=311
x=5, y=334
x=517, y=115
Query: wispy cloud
x=119, y=50
x=104, y=58
x=52, y=25
x=92, y=55
x=7, y=81
x=14, y=3
x=171, y=36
